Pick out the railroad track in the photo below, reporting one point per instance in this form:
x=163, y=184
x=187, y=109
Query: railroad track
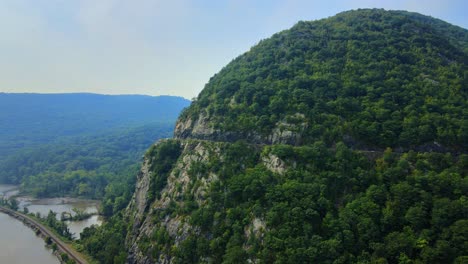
x=62, y=246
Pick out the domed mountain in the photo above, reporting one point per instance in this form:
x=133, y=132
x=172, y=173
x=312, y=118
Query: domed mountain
x=341, y=140
x=369, y=77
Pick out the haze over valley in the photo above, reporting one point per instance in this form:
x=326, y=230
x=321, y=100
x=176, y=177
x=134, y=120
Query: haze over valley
x=341, y=138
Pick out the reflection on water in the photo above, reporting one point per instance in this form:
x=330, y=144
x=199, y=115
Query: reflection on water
x=19, y=245
x=76, y=227
x=8, y=190
x=58, y=205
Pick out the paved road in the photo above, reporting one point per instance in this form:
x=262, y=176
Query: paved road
x=60, y=244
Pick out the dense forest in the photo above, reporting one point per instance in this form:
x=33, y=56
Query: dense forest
x=103, y=152
x=376, y=79
x=97, y=167
x=341, y=140
x=30, y=120
x=328, y=206
x=81, y=145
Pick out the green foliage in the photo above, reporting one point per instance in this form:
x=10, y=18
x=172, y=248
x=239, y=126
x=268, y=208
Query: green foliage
x=57, y=225
x=107, y=242
x=55, y=247
x=82, y=145
x=373, y=78
x=328, y=205
x=85, y=166
x=64, y=257
x=13, y=204
x=367, y=79
x=10, y=202
x=31, y=120
x=163, y=156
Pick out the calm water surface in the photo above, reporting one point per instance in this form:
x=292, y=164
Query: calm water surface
x=19, y=244
x=57, y=205
x=60, y=205
x=7, y=190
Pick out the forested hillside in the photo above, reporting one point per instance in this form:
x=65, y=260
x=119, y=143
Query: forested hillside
x=28, y=120
x=83, y=145
x=341, y=140
x=376, y=79
x=97, y=167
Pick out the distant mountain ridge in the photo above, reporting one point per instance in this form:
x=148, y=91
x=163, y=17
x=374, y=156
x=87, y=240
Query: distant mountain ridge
x=85, y=145
x=27, y=119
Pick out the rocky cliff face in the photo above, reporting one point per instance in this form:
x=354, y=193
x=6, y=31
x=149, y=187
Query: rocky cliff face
x=202, y=127
x=265, y=164
x=160, y=225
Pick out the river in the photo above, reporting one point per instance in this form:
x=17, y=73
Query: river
x=12, y=245
x=19, y=244
x=8, y=190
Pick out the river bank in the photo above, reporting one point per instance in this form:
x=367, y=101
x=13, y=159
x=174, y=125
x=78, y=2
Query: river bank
x=59, y=205
x=40, y=207
x=19, y=245
x=62, y=250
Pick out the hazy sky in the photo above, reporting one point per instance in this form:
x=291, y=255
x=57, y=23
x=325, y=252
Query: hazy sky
x=151, y=46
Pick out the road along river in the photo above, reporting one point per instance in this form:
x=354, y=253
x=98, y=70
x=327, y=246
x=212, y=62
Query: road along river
x=19, y=244
x=45, y=232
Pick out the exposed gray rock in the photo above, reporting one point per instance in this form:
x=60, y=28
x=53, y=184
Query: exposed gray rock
x=283, y=133
x=138, y=204
x=178, y=182
x=274, y=163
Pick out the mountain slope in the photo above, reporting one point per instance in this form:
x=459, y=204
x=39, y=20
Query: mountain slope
x=85, y=145
x=31, y=119
x=377, y=78
x=286, y=155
